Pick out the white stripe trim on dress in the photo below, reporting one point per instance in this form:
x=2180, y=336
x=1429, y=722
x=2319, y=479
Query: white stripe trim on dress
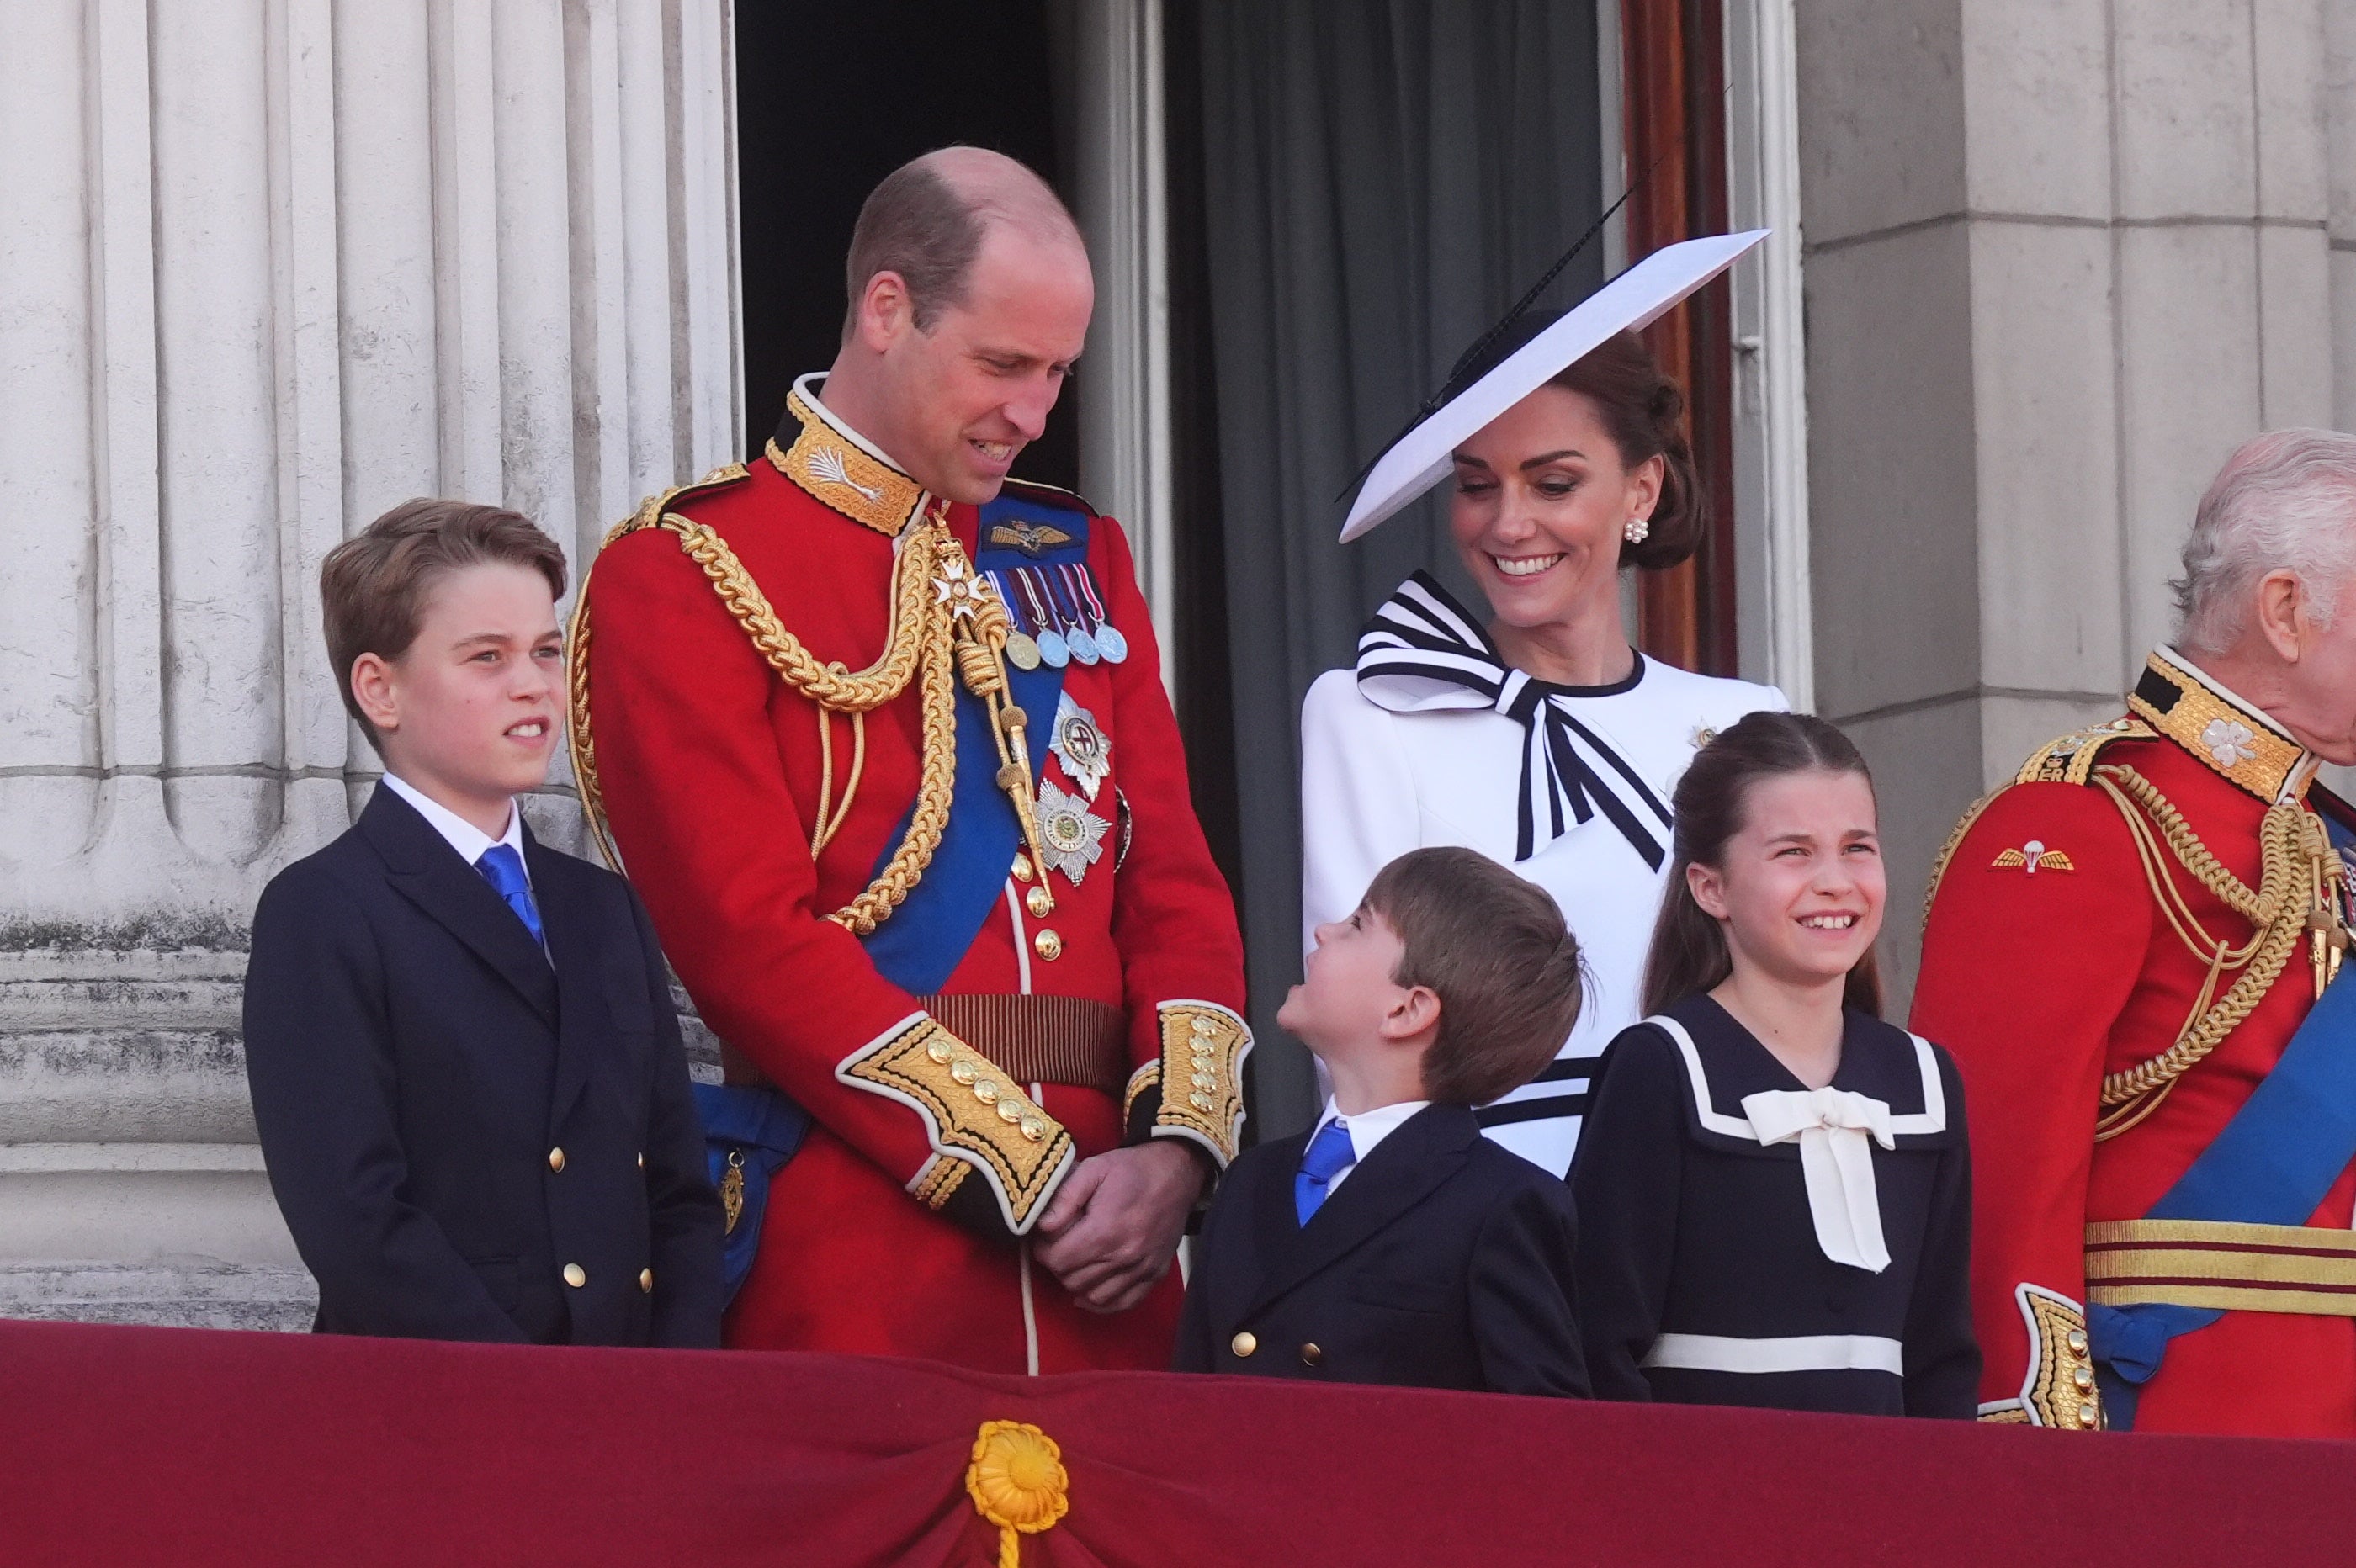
x=1794, y=1353
x=1930, y=1118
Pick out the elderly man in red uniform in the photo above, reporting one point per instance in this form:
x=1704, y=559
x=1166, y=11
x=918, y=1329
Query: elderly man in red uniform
x=2131, y=952
x=881, y=736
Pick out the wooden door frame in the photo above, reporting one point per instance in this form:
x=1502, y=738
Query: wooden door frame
x=1672, y=74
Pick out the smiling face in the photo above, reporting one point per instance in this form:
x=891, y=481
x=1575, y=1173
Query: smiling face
x=1801, y=886
x=471, y=713
x=1539, y=506
x=955, y=405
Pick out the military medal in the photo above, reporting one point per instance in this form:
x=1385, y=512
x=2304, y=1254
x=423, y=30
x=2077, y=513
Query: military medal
x=1075, y=631
x=1049, y=642
x=1072, y=835
x=1021, y=650
x=1108, y=640
x=1080, y=745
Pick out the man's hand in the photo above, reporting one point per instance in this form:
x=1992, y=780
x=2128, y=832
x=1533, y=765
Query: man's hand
x=1112, y=1231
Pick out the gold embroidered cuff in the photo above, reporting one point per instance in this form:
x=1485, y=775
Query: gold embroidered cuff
x=1147, y=1077
x=940, y=1176
x=2059, y=1389
x=1202, y=1075
x=972, y=1114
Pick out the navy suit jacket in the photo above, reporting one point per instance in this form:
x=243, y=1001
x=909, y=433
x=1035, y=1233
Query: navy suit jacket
x=459, y=1126
x=1442, y=1261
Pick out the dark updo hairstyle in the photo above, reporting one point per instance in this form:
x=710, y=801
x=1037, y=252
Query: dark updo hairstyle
x=1642, y=411
x=1689, y=954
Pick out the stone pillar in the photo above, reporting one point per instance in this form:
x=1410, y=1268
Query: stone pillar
x=270, y=266
x=2062, y=257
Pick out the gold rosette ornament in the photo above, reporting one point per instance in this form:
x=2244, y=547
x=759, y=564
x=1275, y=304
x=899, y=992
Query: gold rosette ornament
x=1018, y=1483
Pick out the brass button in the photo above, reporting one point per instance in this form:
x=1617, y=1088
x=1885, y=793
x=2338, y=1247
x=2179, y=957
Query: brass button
x=1245, y=1343
x=1039, y=901
x=1050, y=946
x=556, y=1159
x=647, y=1280
x=642, y=1159
x=1310, y=1356
x=576, y=1275
x=964, y=1072
x=1200, y=1101
x=2086, y=1416
x=1033, y=1128
x=2083, y=1377
x=2077, y=1342
x=1021, y=868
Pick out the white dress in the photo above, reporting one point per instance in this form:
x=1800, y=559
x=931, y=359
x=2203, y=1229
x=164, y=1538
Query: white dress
x=1432, y=739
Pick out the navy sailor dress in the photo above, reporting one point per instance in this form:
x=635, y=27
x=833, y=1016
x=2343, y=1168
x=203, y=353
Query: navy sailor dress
x=1746, y=1240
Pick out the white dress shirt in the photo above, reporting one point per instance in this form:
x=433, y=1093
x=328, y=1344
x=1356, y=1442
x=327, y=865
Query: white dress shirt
x=463, y=835
x=1367, y=1129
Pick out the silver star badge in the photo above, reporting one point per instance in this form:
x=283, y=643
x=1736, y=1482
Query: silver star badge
x=1072, y=835
x=1081, y=746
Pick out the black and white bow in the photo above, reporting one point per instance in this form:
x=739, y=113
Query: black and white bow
x=1422, y=653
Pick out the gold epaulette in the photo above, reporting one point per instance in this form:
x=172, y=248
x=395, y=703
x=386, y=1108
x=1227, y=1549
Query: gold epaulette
x=651, y=509
x=2068, y=759
x=2071, y=759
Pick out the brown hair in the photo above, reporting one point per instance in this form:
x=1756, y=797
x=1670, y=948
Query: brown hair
x=1493, y=948
x=917, y=223
x=372, y=587
x=1689, y=954
x=1644, y=412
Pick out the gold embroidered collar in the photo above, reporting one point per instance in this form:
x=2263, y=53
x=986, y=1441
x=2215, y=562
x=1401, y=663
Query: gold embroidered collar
x=828, y=460
x=2226, y=733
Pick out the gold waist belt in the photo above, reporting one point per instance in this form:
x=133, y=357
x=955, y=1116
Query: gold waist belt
x=1032, y=1039
x=2212, y=1263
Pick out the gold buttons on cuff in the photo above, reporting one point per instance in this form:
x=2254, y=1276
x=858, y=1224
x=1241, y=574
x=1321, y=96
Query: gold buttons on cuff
x=1021, y=868
x=576, y=1275
x=647, y=1280
x=1310, y=1356
x=1039, y=901
x=1245, y=1343
x=2077, y=1342
x=2084, y=1378
x=2087, y=1417
x=1049, y=944
x=556, y=1159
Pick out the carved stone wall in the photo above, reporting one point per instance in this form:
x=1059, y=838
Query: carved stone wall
x=266, y=268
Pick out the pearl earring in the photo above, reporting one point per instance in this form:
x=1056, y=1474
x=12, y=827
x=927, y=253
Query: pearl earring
x=1636, y=529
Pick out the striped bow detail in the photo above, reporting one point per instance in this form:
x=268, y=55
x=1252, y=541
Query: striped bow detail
x=1423, y=653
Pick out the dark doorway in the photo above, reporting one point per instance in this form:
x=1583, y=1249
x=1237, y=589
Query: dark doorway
x=830, y=99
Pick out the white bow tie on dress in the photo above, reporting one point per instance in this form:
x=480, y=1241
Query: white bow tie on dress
x=1831, y=1126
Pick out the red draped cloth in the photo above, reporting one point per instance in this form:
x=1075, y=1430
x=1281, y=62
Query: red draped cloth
x=137, y=1446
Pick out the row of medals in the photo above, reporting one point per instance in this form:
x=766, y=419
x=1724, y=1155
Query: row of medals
x=1080, y=635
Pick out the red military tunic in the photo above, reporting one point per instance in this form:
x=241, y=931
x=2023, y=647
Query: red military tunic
x=2049, y=962
x=901, y=1227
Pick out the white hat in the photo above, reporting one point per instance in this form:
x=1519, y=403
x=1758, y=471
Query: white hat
x=1631, y=302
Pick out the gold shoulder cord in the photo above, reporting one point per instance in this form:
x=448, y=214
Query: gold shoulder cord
x=2296, y=893
x=947, y=623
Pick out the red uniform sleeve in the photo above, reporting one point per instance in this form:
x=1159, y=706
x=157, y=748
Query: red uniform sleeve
x=1173, y=917
x=718, y=846
x=2024, y=972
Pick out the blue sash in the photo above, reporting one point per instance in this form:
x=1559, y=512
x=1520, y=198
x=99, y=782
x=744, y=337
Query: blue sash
x=927, y=936
x=2271, y=1166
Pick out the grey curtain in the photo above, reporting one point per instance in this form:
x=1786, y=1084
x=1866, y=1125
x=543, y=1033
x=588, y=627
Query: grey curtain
x=1382, y=178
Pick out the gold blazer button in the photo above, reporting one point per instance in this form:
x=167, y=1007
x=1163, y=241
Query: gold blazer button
x=576, y=1275
x=1050, y=946
x=556, y=1159
x=1245, y=1343
x=1310, y=1356
x=647, y=1280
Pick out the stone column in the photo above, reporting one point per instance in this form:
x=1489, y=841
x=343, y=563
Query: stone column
x=2063, y=256
x=270, y=266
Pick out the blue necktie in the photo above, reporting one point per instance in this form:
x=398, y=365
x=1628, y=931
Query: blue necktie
x=503, y=868
x=1330, y=1154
